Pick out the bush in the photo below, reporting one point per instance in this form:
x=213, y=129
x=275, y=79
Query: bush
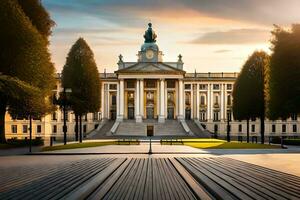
x=275, y=140
x=38, y=141
x=291, y=141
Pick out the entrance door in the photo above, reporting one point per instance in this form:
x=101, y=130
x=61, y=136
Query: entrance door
x=150, y=112
x=130, y=112
x=170, y=113
x=188, y=113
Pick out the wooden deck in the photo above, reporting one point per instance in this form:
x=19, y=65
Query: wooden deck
x=149, y=178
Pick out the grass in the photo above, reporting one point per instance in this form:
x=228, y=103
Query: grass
x=6, y=146
x=222, y=144
x=78, y=145
x=88, y=144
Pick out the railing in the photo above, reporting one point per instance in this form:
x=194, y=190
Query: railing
x=212, y=75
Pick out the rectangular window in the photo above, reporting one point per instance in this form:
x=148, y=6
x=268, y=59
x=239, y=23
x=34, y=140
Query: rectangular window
x=84, y=128
x=25, y=128
x=54, y=129
x=170, y=84
x=229, y=86
x=202, y=116
x=203, y=86
x=253, y=128
x=54, y=116
x=240, y=128
x=216, y=116
x=202, y=100
x=67, y=116
x=85, y=117
x=229, y=100
x=187, y=86
x=14, y=128
x=112, y=86
x=294, y=128
x=216, y=100
x=150, y=84
x=216, y=86
x=273, y=128
x=283, y=128
x=38, y=128
x=130, y=84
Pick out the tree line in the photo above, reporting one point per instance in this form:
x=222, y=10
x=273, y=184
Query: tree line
x=269, y=85
x=27, y=75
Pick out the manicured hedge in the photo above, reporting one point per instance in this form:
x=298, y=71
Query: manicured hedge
x=291, y=141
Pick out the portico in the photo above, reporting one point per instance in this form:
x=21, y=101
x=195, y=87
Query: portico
x=149, y=97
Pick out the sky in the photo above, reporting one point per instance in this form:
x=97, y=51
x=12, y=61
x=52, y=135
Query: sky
x=211, y=35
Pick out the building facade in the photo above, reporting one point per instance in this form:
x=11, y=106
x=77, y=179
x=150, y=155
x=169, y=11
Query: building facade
x=151, y=89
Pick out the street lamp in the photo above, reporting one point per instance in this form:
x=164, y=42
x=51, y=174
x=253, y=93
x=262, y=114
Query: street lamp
x=64, y=107
x=228, y=125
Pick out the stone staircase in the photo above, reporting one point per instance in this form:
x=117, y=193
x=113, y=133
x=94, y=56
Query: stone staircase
x=103, y=131
x=169, y=128
x=131, y=128
x=196, y=130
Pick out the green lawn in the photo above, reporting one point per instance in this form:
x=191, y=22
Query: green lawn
x=222, y=144
x=6, y=146
x=79, y=145
x=89, y=144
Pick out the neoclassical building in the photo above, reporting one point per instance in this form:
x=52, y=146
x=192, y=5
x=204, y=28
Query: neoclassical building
x=157, y=92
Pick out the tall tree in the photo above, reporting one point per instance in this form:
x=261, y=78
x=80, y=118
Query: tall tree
x=248, y=93
x=80, y=73
x=24, y=57
x=38, y=16
x=284, y=73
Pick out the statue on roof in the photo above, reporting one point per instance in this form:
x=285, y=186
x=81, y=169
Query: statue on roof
x=150, y=35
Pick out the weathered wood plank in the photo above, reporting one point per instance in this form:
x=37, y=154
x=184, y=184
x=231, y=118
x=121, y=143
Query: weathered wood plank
x=277, y=186
x=100, y=192
x=214, y=189
x=193, y=184
x=84, y=191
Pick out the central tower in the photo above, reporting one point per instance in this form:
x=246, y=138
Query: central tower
x=149, y=50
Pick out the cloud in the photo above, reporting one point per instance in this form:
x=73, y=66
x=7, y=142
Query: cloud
x=131, y=12
x=234, y=36
x=222, y=51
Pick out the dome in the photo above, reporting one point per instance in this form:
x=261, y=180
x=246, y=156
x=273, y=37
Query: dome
x=152, y=46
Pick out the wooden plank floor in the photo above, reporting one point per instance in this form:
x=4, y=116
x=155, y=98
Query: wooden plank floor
x=226, y=178
x=149, y=178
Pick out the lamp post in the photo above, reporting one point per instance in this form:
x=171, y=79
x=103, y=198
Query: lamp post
x=228, y=125
x=64, y=107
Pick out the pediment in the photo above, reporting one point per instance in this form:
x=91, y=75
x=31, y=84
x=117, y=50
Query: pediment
x=149, y=67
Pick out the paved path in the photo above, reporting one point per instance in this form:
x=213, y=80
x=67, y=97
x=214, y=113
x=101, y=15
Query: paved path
x=96, y=177
x=143, y=148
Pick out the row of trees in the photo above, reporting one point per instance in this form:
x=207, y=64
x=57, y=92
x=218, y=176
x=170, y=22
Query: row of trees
x=27, y=75
x=270, y=85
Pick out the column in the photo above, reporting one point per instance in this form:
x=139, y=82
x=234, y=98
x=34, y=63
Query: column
x=209, y=105
x=161, y=118
x=222, y=102
x=197, y=102
x=180, y=116
x=121, y=116
x=102, y=100
x=118, y=100
x=225, y=102
x=142, y=98
x=137, y=102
